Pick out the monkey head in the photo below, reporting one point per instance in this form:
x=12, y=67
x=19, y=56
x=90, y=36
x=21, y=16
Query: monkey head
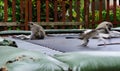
x=109, y=26
x=30, y=24
x=33, y=26
x=104, y=27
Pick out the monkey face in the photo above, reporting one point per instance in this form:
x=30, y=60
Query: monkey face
x=33, y=26
x=30, y=24
x=109, y=26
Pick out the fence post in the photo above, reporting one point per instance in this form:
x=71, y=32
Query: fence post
x=114, y=11
x=38, y=10
x=108, y=8
x=63, y=11
x=55, y=11
x=30, y=10
x=78, y=10
x=14, y=12
x=47, y=10
x=22, y=13
x=86, y=12
x=26, y=14
x=100, y=10
x=5, y=12
x=70, y=11
x=93, y=14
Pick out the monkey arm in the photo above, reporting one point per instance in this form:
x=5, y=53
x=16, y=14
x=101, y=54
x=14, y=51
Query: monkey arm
x=107, y=29
x=101, y=38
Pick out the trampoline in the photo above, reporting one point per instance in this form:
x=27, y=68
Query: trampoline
x=62, y=44
x=59, y=42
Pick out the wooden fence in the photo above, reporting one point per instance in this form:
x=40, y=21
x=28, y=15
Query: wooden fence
x=62, y=11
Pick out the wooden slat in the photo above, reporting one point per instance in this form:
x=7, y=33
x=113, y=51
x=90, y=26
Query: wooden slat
x=100, y=10
x=30, y=10
x=78, y=10
x=93, y=13
x=8, y=24
x=63, y=11
x=108, y=8
x=88, y=21
x=5, y=12
x=26, y=14
x=22, y=12
x=43, y=23
x=85, y=13
x=14, y=12
x=21, y=9
x=55, y=10
x=47, y=10
x=58, y=23
x=86, y=7
x=114, y=11
x=70, y=11
x=38, y=10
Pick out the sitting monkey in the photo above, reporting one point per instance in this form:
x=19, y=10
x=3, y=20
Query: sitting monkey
x=37, y=31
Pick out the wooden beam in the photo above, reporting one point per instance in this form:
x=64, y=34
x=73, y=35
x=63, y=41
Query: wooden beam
x=47, y=10
x=100, y=10
x=114, y=11
x=8, y=24
x=70, y=10
x=108, y=8
x=38, y=10
x=5, y=12
x=63, y=11
x=14, y=12
x=78, y=10
x=55, y=11
x=26, y=14
x=30, y=10
x=58, y=23
x=93, y=13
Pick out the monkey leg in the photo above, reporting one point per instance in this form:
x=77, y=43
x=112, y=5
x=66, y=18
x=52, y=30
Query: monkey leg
x=32, y=36
x=85, y=42
x=102, y=39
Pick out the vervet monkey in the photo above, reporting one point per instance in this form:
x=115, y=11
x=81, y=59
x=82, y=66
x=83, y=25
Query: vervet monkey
x=37, y=31
x=103, y=27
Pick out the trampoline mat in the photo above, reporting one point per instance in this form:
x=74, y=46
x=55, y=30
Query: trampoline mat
x=69, y=45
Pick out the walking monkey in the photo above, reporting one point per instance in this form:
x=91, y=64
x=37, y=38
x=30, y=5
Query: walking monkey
x=103, y=27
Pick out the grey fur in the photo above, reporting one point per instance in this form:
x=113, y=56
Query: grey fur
x=103, y=27
x=37, y=31
x=106, y=27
